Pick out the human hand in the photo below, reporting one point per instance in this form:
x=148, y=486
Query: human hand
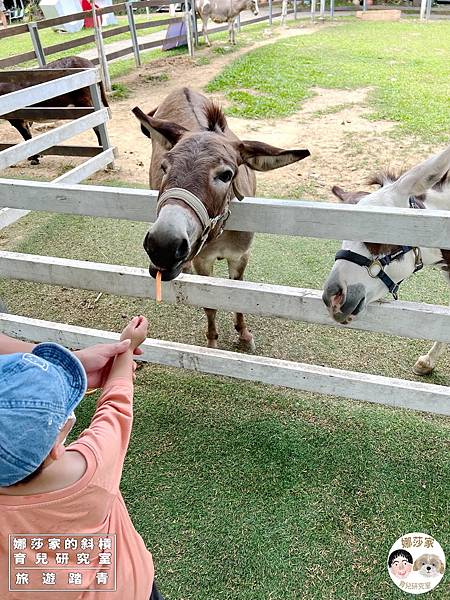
x=136, y=331
x=97, y=360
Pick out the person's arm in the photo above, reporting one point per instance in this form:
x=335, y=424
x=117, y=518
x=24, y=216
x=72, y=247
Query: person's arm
x=9, y=345
x=96, y=360
x=109, y=432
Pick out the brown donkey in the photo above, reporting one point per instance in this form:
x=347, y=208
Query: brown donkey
x=199, y=165
x=79, y=98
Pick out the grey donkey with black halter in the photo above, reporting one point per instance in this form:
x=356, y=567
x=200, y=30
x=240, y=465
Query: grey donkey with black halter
x=365, y=272
x=199, y=166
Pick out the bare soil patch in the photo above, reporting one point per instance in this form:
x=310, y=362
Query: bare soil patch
x=345, y=145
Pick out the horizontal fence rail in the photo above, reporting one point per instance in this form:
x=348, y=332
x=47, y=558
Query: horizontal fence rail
x=430, y=228
x=31, y=147
x=405, y=319
x=46, y=90
x=389, y=391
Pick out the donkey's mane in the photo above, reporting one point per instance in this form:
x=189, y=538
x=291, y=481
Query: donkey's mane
x=215, y=117
x=387, y=176
x=384, y=177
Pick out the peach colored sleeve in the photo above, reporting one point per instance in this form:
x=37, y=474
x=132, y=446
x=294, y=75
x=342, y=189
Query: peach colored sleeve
x=109, y=432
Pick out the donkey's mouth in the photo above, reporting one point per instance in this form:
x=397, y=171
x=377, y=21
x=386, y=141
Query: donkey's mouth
x=166, y=274
x=345, y=318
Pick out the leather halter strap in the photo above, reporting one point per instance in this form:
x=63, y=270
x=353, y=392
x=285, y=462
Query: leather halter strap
x=375, y=266
x=199, y=209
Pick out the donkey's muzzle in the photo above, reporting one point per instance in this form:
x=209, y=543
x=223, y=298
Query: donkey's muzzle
x=166, y=274
x=344, y=304
x=167, y=254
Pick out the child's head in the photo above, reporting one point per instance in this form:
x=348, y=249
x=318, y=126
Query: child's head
x=38, y=393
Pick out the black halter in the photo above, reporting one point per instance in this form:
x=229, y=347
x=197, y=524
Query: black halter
x=375, y=266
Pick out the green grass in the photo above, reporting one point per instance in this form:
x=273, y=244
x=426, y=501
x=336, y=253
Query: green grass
x=120, y=91
x=406, y=64
x=245, y=492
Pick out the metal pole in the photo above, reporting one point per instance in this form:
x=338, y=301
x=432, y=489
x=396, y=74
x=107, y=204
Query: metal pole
x=313, y=10
x=364, y=5
x=295, y=9
x=331, y=9
x=270, y=12
x=238, y=22
x=322, y=9
x=132, y=28
x=101, y=50
x=428, y=9
x=38, y=49
x=194, y=21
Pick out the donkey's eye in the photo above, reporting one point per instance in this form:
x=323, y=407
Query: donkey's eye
x=225, y=176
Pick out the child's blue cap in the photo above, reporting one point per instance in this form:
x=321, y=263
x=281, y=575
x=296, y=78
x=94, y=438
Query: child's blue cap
x=38, y=391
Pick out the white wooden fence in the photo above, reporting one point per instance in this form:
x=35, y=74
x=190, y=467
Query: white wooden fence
x=74, y=79
x=298, y=218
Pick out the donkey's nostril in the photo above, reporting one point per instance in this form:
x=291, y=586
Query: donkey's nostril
x=182, y=250
x=337, y=300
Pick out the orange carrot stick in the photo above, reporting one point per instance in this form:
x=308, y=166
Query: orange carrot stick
x=158, y=293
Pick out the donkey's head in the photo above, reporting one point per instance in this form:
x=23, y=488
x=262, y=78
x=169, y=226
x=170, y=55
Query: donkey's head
x=358, y=275
x=199, y=178
x=253, y=6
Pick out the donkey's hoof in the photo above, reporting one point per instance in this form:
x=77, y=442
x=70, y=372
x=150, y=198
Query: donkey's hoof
x=212, y=343
x=34, y=161
x=247, y=344
x=423, y=366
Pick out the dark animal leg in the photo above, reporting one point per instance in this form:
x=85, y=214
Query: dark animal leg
x=23, y=127
x=97, y=133
x=236, y=270
x=205, y=267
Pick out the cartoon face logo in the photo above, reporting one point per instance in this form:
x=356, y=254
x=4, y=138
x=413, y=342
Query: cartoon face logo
x=400, y=563
x=429, y=565
x=416, y=563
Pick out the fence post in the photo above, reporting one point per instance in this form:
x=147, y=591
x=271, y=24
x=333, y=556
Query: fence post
x=313, y=10
x=101, y=50
x=103, y=132
x=364, y=5
x=188, y=23
x=270, y=12
x=331, y=9
x=132, y=28
x=428, y=9
x=238, y=22
x=38, y=49
x=194, y=21
x=295, y=9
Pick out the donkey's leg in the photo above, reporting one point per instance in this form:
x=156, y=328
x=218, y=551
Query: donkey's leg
x=425, y=364
x=231, y=34
x=205, y=31
x=23, y=127
x=205, y=267
x=97, y=133
x=236, y=268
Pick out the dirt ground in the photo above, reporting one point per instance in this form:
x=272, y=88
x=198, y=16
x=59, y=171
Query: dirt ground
x=333, y=124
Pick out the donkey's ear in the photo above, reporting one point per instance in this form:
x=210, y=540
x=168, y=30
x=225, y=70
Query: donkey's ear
x=167, y=133
x=348, y=197
x=263, y=157
x=424, y=176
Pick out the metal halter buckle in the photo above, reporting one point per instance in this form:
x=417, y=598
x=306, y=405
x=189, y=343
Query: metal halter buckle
x=374, y=264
